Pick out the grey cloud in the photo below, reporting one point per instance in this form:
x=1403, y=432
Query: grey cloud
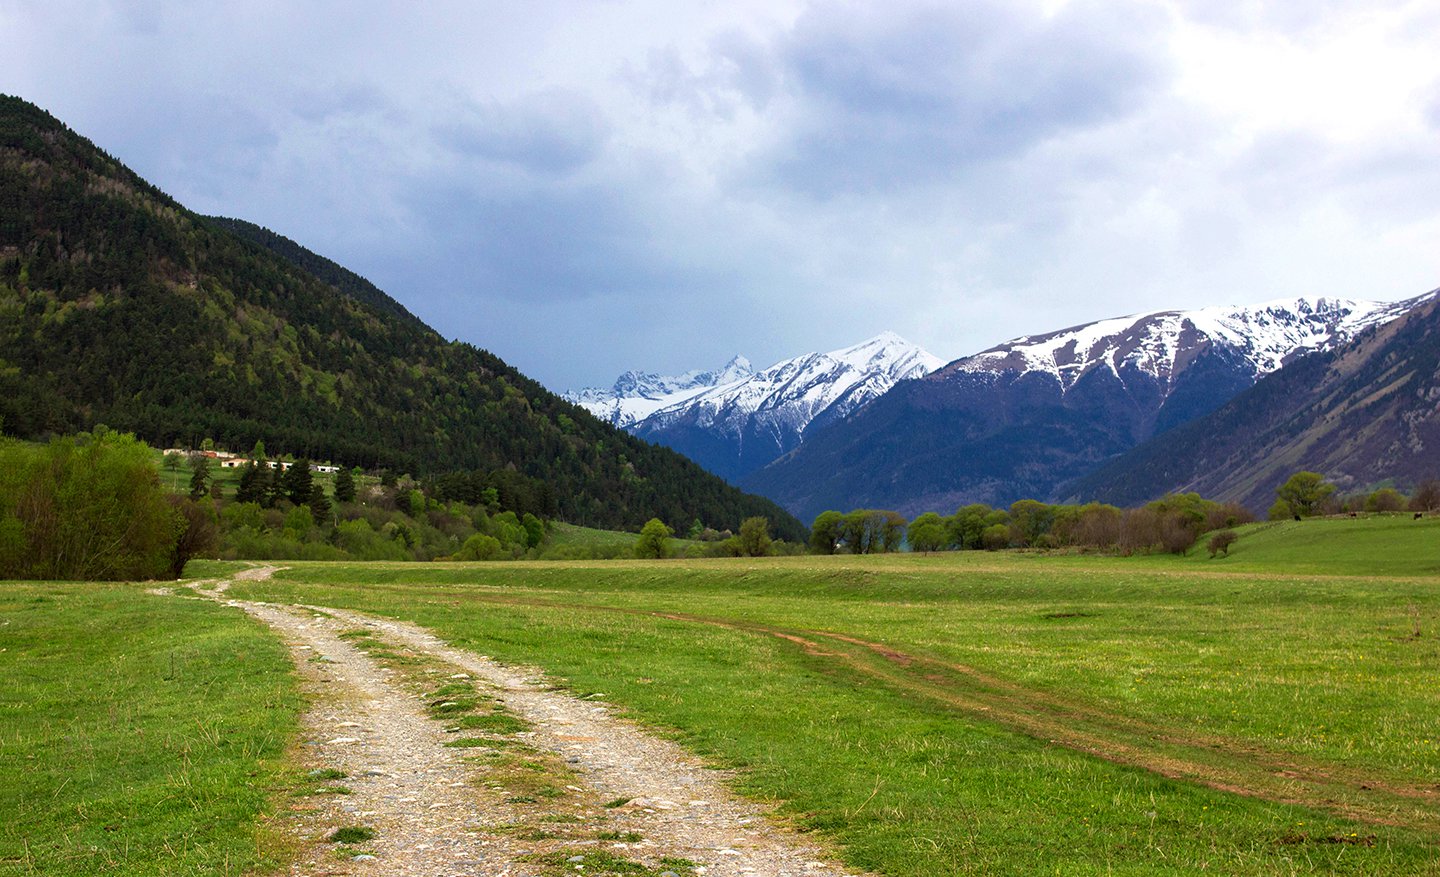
x=214, y=139
x=736, y=70
x=546, y=243
x=895, y=99
x=553, y=132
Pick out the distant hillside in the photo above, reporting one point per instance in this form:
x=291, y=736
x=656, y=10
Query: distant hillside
x=119, y=306
x=1361, y=414
x=1026, y=416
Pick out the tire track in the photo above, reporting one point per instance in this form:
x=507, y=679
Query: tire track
x=1237, y=767
x=434, y=813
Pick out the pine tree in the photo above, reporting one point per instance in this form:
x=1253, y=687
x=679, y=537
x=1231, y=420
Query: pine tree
x=297, y=483
x=344, y=486
x=251, y=488
x=199, y=476
x=319, y=504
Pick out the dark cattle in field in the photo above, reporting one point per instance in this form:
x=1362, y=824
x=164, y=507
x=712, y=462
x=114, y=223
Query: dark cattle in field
x=1419, y=515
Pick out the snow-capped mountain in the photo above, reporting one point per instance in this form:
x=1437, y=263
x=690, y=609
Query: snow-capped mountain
x=735, y=420
x=1163, y=344
x=636, y=395
x=1023, y=417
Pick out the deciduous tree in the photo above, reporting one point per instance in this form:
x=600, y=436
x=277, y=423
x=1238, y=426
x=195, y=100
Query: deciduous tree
x=753, y=540
x=1303, y=492
x=927, y=533
x=654, y=541
x=826, y=532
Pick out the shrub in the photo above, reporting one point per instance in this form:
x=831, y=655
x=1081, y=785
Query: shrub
x=88, y=507
x=480, y=547
x=1220, y=542
x=1386, y=499
x=995, y=537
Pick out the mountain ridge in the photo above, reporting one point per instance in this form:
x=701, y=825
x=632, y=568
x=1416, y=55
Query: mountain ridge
x=1023, y=417
x=734, y=426
x=1360, y=414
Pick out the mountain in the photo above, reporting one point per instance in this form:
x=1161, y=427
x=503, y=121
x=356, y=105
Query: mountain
x=636, y=395
x=1021, y=418
x=1360, y=414
x=120, y=306
x=735, y=421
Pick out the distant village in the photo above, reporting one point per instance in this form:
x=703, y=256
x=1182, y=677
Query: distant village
x=228, y=460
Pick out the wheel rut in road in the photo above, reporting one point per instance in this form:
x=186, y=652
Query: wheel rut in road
x=533, y=782
x=1228, y=764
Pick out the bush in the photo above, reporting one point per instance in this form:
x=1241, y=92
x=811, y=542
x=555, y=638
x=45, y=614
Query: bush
x=1220, y=542
x=480, y=547
x=995, y=537
x=1386, y=499
x=89, y=507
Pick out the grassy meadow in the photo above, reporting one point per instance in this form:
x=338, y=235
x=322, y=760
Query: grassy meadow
x=139, y=735
x=1270, y=712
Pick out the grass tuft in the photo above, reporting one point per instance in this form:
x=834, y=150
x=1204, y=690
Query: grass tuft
x=351, y=834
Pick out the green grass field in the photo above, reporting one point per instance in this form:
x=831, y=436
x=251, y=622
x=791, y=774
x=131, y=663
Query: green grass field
x=139, y=735
x=1011, y=713
x=1271, y=712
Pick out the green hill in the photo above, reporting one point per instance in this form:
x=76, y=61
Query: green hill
x=120, y=306
x=1369, y=545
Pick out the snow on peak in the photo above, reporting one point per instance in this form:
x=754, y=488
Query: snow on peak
x=1267, y=335
x=635, y=395
x=794, y=391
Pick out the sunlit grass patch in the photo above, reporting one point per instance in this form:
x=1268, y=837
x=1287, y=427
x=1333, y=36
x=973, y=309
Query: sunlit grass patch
x=139, y=735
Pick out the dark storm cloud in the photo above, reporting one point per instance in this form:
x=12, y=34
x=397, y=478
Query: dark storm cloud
x=896, y=98
x=549, y=133
x=550, y=243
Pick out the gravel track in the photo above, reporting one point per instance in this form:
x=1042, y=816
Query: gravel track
x=436, y=813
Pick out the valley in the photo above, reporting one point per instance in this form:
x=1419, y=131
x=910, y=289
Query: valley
x=491, y=596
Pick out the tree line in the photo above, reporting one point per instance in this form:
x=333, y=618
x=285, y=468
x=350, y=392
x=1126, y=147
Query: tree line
x=1305, y=494
x=1171, y=524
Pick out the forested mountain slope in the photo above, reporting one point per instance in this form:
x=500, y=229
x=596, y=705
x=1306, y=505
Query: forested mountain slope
x=119, y=306
x=1361, y=414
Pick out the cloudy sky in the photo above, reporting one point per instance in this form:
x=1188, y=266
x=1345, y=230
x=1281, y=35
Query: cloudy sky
x=586, y=187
